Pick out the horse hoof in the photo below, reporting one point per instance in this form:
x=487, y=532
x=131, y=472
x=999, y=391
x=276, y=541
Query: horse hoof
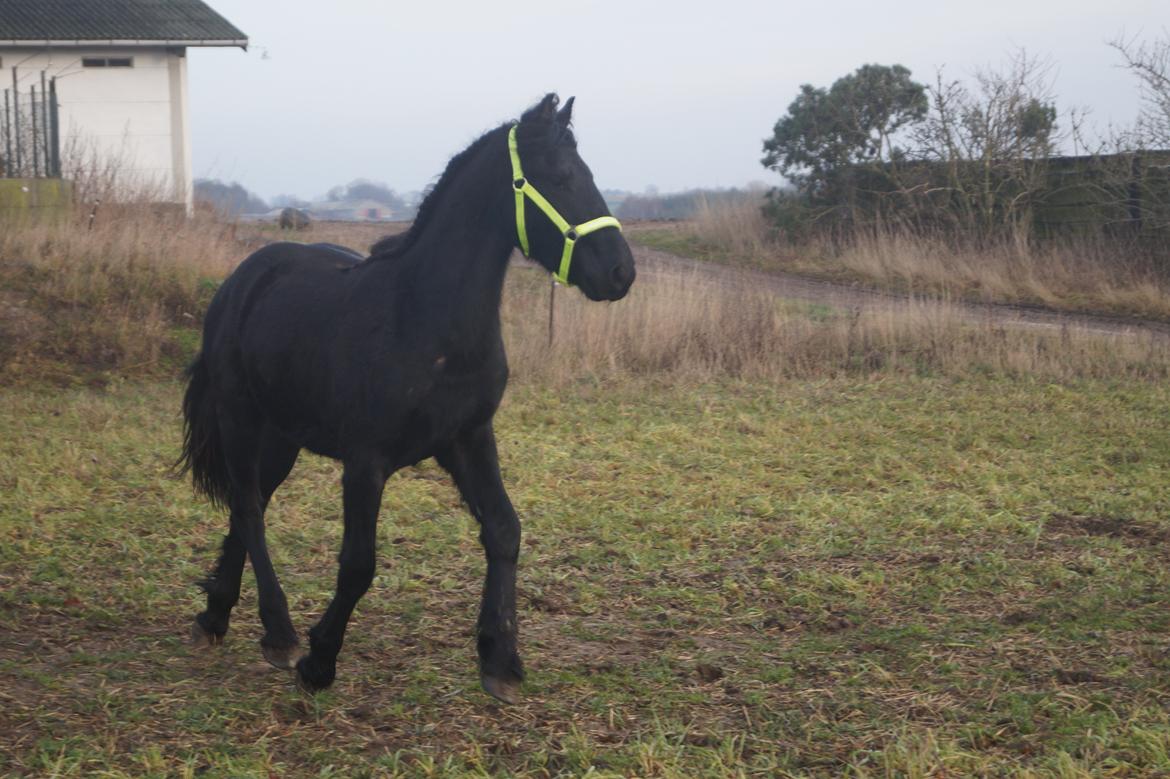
x=504, y=690
x=282, y=657
x=309, y=680
x=201, y=638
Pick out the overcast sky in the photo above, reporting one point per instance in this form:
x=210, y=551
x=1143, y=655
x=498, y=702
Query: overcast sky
x=671, y=94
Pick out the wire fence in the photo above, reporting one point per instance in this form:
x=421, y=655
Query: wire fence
x=30, y=134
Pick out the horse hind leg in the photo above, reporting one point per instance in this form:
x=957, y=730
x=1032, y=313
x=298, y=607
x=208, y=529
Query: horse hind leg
x=222, y=587
x=362, y=484
x=276, y=458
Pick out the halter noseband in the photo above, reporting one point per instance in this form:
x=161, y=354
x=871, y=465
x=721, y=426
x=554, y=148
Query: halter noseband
x=523, y=188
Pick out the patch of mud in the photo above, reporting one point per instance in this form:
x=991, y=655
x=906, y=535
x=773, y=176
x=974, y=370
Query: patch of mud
x=1111, y=527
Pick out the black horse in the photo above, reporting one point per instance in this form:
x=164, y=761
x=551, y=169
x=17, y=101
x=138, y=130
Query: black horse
x=380, y=364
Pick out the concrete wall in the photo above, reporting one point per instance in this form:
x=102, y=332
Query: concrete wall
x=135, y=119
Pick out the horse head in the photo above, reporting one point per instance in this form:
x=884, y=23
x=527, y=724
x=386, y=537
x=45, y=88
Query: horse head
x=562, y=221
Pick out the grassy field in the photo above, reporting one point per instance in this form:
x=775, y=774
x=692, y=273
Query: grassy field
x=888, y=576
x=763, y=538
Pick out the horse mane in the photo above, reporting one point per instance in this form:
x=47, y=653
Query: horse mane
x=392, y=246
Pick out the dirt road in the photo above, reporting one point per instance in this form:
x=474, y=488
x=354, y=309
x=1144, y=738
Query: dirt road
x=851, y=297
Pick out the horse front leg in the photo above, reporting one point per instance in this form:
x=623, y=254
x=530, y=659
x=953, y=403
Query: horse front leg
x=362, y=485
x=474, y=465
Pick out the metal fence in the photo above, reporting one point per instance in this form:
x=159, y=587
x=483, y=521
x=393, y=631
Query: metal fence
x=30, y=135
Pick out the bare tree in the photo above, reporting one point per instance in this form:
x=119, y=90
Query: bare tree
x=1150, y=62
x=985, y=145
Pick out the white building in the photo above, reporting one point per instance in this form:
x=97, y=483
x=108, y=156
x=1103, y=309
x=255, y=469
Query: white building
x=121, y=78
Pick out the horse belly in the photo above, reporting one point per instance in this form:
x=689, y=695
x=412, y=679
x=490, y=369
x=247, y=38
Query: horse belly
x=438, y=420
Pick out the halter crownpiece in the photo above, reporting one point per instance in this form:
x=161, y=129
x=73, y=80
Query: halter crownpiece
x=572, y=233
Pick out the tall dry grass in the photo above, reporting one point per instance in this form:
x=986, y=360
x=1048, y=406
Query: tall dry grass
x=738, y=226
x=685, y=327
x=111, y=296
x=1086, y=274
x=127, y=297
x=356, y=235
x=1089, y=274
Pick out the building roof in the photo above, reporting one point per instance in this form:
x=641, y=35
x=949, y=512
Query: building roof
x=119, y=22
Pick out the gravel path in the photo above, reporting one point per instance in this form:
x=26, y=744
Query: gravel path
x=793, y=287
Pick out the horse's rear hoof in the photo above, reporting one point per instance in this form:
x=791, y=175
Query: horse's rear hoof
x=201, y=638
x=284, y=658
x=505, y=690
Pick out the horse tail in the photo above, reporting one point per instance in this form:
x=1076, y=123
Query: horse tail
x=202, y=448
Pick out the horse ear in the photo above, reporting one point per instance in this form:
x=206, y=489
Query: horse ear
x=565, y=115
x=544, y=111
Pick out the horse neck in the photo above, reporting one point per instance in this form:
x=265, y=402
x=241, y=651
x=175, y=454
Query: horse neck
x=461, y=254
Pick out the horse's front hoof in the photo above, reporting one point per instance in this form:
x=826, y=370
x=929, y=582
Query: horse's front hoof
x=311, y=677
x=202, y=638
x=504, y=690
x=282, y=657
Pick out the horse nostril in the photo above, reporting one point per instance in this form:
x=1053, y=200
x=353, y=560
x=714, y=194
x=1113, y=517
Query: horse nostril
x=622, y=275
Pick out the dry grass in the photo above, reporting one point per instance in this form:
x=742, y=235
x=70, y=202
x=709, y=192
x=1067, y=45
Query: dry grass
x=688, y=328
x=126, y=295
x=126, y=298
x=356, y=235
x=1086, y=275
x=1089, y=275
x=738, y=225
x=77, y=299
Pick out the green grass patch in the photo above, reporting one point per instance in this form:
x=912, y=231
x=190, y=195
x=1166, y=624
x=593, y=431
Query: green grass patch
x=896, y=577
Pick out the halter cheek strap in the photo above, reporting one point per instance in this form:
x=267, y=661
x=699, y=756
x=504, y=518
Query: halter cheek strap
x=572, y=233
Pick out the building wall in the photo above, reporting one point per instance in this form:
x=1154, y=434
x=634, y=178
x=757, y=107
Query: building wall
x=134, y=119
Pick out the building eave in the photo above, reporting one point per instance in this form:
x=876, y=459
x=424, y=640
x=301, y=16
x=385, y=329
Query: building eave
x=128, y=42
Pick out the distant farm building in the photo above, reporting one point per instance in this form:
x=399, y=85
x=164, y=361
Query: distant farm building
x=106, y=82
x=1114, y=193
x=354, y=211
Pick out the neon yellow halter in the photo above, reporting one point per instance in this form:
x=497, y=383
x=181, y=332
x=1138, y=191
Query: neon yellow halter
x=572, y=233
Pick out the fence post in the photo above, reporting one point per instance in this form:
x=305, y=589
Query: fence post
x=55, y=132
x=36, y=144
x=16, y=122
x=8, y=171
x=45, y=125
